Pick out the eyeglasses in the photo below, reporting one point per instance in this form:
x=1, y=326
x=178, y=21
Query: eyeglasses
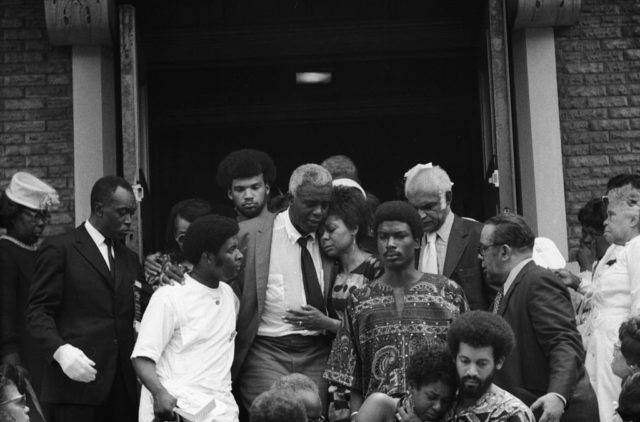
x=482, y=249
x=316, y=419
x=43, y=216
x=21, y=400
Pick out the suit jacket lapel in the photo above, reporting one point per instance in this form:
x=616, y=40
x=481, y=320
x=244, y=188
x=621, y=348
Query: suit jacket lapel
x=503, y=303
x=457, y=243
x=263, y=255
x=85, y=245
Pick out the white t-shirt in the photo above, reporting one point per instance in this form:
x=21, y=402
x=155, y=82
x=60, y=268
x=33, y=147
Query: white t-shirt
x=188, y=331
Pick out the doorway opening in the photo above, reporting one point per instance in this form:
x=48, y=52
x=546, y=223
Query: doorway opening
x=396, y=98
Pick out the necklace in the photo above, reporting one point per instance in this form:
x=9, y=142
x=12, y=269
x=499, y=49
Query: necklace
x=19, y=243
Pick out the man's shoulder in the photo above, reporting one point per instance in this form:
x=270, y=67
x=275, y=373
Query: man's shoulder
x=469, y=224
x=62, y=239
x=535, y=275
x=256, y=223
x=510, y=406
x=495, y=405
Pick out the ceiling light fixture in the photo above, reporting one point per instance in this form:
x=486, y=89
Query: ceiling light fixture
x=313, y=77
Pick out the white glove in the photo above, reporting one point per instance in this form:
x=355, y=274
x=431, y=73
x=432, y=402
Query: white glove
x=75, y=364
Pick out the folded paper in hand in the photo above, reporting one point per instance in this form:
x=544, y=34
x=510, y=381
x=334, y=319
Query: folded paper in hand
x=195, y=410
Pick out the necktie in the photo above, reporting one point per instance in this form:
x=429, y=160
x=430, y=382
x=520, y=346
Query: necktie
x=430, y=255
x=496, y=302
x=112, y=262
x=312, y=289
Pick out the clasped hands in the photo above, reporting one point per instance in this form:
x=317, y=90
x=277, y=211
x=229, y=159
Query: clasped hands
x=307, y=318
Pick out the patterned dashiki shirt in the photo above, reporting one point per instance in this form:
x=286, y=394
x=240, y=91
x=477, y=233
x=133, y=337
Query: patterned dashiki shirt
x=372, y=348
x=496, y=405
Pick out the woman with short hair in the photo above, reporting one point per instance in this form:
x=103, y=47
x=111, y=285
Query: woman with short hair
x=616, y=293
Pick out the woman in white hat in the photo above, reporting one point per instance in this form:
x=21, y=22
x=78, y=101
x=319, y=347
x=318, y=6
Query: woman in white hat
x=24, y=212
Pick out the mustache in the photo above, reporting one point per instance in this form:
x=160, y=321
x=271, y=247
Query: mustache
x=471, y=378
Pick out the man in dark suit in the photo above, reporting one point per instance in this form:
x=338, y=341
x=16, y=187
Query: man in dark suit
x=450, y=243
x=81, y=310
x=546, y=371
x=279, y=331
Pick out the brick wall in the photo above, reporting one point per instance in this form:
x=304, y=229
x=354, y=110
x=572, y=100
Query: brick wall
x=598, y=65
x=36, y=105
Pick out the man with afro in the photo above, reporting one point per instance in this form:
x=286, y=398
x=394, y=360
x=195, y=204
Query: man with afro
x=479, y=342
x=247, y=176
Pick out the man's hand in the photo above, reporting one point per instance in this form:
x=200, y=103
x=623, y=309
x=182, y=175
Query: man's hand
x=569, y=279
x=309, y=318
x=152, y=264
x=403, y=415
x=552, y=407
x=172, y=274
x=75, y=364
x=163, y=405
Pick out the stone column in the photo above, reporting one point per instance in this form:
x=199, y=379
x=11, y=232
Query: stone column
x=537, y=114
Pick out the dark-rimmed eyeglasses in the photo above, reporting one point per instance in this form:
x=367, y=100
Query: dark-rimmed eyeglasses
x=20, y=400
x=43, y=216
x=482, y=249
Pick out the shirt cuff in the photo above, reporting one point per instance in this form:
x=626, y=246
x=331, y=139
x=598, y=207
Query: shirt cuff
x=564, y=401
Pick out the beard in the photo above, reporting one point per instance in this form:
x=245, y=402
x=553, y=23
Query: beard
x=477, y=387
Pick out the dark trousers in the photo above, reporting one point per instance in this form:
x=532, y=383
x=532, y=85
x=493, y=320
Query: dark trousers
x=118, y=407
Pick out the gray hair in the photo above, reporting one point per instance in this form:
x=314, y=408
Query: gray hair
x=627, y=197
x=313, y=174
x=428, y=178
x=340, y=166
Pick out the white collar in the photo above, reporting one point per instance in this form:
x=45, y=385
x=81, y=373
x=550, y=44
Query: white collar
x=514, y=273
x=97, y=237
x=292, y=233
x=445, y=230
x=16, y=242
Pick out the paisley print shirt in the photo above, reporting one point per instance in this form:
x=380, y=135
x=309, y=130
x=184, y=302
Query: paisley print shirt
x=372, y=347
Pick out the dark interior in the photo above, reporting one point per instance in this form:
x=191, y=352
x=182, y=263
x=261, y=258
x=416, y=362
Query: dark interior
x=221, y=76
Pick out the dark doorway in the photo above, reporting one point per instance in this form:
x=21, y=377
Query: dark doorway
x=404, y=90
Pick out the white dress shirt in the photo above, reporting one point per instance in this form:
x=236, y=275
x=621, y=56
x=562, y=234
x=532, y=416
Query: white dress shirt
x=285, y=288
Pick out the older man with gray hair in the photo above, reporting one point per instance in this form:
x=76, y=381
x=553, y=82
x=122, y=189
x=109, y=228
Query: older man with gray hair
x=284, y=287
x=450, y=242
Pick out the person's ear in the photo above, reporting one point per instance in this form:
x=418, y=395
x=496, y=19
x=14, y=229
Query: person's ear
x=448, y=196
x=98, y=209
x=229, y=194
x=267, y=188
x=207, y=258
x=500, y=362
x=505, y=252
x=412, y=387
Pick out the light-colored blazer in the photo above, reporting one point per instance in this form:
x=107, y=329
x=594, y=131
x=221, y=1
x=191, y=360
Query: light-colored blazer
x=255, y=243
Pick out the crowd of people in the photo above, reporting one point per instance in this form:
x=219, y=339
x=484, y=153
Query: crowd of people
x=319, y=304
